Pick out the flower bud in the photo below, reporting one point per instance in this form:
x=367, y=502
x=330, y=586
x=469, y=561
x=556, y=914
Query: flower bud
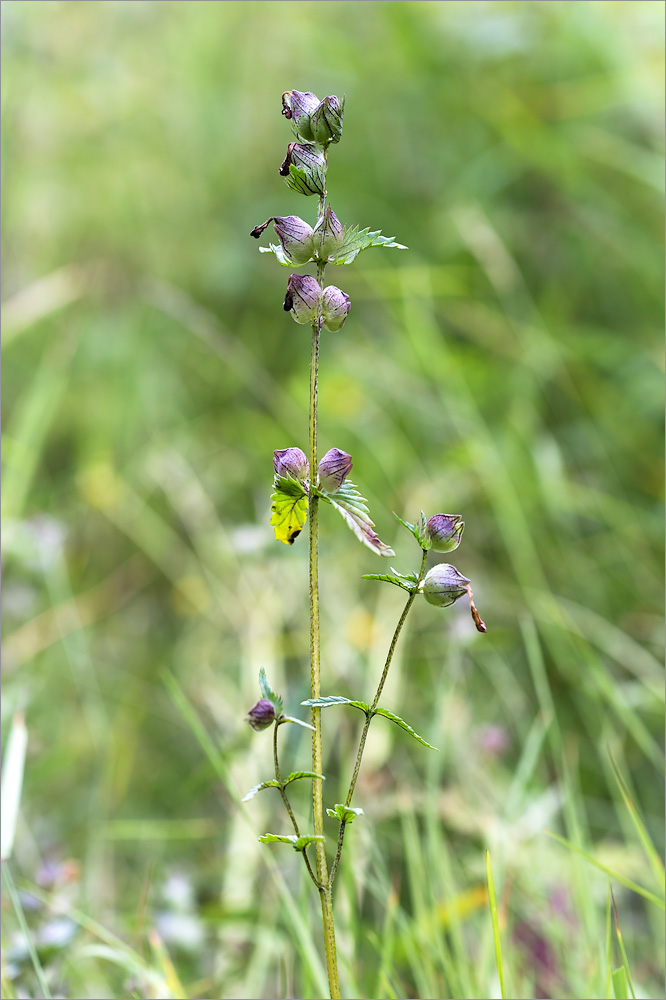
x=302, y=298
x=297, y=107
x=334, y=468
x=335, y=305
x=291, y=462
x=326, y=120
x=443, y=585
x=328, y=234
x=262, y=715
x=308, y=175
x=443, y=532
x=295, y=235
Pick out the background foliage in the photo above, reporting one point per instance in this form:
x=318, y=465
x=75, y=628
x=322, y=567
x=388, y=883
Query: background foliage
x=506, y=368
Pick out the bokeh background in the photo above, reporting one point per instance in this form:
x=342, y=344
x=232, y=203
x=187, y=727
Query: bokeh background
x=507, y=367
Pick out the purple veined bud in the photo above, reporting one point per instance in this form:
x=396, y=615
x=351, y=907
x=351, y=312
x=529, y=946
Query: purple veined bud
x=335, y=305
x=443, y=532
x=302, y=298
x=291, y=462
x=295, y=235
x=297, y=106
x=309, y=173
x=334, y=468
x=326, y=120
x=262, y=715
x=444, y=585
x=328, y=234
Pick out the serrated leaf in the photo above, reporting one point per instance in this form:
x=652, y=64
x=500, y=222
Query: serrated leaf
x=302, y=842
x=352, y=508
x=289, y=509
x=258, y=788
x=406, y=582
x=417, y=530
x=268, y=693
x=278, y=250
x=350, y=495
x=403, y=725
x=299, y=722
x=336, y=700
x=298, y=843
x=295, y=775
x=343, y=813
x=276, y=838
x=355, y=240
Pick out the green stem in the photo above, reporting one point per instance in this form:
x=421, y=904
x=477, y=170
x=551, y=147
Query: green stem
x=287, y=803
x=371, y=713
x=325, y=893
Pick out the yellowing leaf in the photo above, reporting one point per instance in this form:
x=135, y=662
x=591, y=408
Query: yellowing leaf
x=288, y=510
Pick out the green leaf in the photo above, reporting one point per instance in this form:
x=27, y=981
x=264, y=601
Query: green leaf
x=276, y=838
x=620, y=984
x=257, y=788
x=403, y=725
x=622, y=879
x=298, y=843
x=336, y=700
x=295, y=775
x=352, y=508
x=343, y=813
x=289, y=509
x=355, y=240
x=268, y=693
x=494, y=919
x=299, y=722
x=273, y=783
x=280, y=254
x=417, y=530
x=408, y=581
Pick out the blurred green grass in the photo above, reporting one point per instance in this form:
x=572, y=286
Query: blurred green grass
x=507, y=367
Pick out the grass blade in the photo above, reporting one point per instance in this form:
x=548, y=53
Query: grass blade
x=622, y=879
x=20, y=916
x=625, y=968
x=492, y=901
x=643, y=835
x=12, y=783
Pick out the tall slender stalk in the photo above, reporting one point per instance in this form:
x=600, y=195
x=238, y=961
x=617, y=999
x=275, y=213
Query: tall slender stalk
x=301, y=482
x=325, y=892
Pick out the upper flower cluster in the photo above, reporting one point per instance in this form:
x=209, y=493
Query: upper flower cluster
x=312, y=119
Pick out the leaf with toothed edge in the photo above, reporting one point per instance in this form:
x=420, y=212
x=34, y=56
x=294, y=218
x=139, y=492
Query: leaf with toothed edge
x=289, y=509
x=268, y=693
x=298, y=843
x=355, y=240
x=407, y=581
x=403, y=725
x=299, y=722
x=281, y=255
x=353, y=509
x=343, y=813
x=273, y=783
x=418, y=529
x=258, y=788
x=333, y=699
x=295, y=775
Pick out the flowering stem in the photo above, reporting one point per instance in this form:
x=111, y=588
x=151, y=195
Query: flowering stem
x=287, y=803
x=371, y=713
x=325, y=892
